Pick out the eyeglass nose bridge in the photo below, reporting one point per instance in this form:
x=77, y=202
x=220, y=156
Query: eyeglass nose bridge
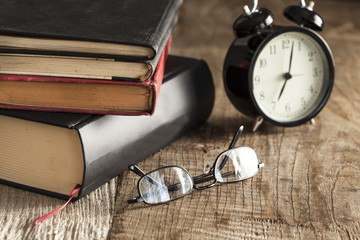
x=204, y=178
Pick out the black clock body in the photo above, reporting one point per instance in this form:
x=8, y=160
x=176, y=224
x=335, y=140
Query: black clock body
x=238, y=70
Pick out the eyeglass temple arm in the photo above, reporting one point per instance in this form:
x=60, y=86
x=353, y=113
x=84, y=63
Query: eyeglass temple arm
x=174, y=187
x=232, y=144
x=135, y=169
x=203, y=178
x=140, y=173
x=209, y=176
x=135, y=200
x=236, y=136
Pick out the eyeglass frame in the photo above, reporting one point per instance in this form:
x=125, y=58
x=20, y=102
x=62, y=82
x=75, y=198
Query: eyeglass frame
x=194, y=180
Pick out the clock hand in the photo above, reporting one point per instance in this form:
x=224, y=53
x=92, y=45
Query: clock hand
x=291, y=56
x=283, y=87
x=295, y=75
x=287, y=75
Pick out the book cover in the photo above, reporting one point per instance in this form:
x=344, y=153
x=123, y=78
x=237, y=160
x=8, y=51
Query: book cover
x=134, y=30
x=96, y=96
x=52, y=152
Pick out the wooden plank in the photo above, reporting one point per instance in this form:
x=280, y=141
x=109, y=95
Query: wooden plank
x=309, y=187
x=88, y=218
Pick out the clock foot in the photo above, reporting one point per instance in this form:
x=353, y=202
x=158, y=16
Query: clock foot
x=258, y=121
x=312, y=121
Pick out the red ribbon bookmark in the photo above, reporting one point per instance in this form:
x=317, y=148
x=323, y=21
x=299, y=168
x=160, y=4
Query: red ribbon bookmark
x=73, y=192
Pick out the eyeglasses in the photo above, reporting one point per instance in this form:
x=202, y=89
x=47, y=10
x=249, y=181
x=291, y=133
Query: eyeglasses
x=169, y=183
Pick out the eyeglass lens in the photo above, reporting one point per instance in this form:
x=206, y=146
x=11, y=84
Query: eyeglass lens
x=236, y=164
x=165, y=184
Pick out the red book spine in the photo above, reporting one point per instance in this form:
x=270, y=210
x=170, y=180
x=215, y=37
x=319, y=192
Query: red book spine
x=159, y=73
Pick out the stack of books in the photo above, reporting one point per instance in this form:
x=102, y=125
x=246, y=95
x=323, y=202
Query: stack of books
x=103, y=57
x=76, y=81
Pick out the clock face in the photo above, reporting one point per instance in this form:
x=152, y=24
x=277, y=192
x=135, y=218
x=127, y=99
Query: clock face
x=291, y=76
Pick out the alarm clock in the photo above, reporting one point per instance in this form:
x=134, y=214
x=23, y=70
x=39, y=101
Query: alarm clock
x=280, y=74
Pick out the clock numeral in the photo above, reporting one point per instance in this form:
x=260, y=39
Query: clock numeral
x=285, y=44
x=303, y=102
x=311, y=56
x=256, y=80
x=311, y=89
x=262, y=95
x=315, y=72
x=272, y=49
x=299, y=46
x=273, y=104
x=263, y=62
x=287, y=107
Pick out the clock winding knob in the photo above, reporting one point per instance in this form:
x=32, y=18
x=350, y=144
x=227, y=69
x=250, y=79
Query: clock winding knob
x=252, y=21
x=305, y=16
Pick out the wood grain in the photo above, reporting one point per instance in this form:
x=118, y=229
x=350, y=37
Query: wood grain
x=308, y=189
x=88, y=218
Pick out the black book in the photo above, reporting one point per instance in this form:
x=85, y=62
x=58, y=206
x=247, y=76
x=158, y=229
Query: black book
x=51, y=152
x=133, y=30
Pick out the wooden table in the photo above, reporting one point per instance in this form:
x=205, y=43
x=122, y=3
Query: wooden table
x=308, y=189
